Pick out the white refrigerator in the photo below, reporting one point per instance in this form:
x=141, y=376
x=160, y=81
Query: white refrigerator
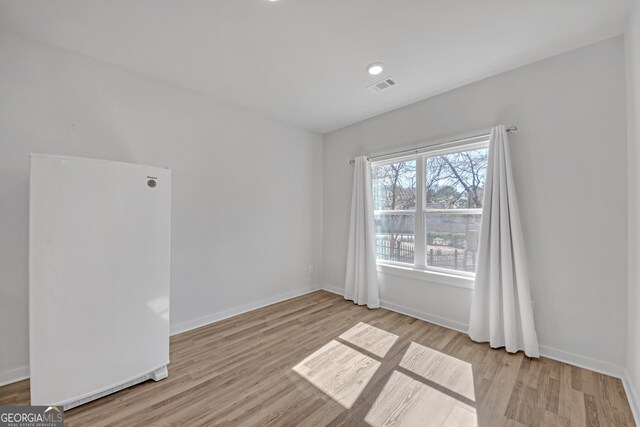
x=99, y=272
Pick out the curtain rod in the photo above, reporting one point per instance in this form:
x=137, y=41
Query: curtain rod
x=512, y=129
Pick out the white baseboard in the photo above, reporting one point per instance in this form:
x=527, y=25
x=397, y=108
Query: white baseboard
x=22, y=373
x=14, y=375
x=585, y=362
x=234, y=311
x=546, y=351
x=333, y=289
x=408, y=311
x=427, y=317
x=633, y=394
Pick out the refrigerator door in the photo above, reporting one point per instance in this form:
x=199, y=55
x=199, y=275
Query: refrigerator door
x=99, y=259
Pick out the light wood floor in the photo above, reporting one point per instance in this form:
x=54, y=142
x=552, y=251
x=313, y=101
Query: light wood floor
x=319, y=360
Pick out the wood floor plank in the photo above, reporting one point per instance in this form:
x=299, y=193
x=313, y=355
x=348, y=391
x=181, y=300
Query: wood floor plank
x=576, y=378
x=592, y=418
x=571, y=402
x=552, y=394
x=522, y=403
x=319, y=360
x=494, y=404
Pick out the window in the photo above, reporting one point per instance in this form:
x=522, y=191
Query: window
x=428, y=208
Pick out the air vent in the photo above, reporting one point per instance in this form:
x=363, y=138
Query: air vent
x=385, y=84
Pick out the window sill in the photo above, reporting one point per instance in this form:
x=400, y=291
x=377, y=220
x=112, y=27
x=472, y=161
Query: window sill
x=427, y=275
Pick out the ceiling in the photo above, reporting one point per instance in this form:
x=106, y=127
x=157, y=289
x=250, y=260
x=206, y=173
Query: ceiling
x=303, y=61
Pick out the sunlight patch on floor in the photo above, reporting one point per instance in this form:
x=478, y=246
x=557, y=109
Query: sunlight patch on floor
x=408, y=402
x=442, y=369
x=370, y=338
x=339, y=371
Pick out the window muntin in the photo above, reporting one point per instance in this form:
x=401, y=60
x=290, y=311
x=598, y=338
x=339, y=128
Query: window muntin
x=443, y=235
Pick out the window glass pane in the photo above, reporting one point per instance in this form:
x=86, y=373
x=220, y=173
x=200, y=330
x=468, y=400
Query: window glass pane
x=394, y=186
x=395, y=238
x=452, y=241
x=456, y=180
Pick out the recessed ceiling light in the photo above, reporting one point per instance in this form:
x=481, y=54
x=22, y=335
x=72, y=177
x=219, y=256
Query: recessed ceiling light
x=375, y=68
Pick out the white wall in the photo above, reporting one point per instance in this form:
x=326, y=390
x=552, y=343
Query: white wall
x=570, y=171
x=632, y=44
x=246, y=189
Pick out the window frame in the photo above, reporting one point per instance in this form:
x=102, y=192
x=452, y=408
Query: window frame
x=419, y=269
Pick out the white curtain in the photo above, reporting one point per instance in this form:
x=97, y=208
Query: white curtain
x=361, y=282
x=501, y=311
